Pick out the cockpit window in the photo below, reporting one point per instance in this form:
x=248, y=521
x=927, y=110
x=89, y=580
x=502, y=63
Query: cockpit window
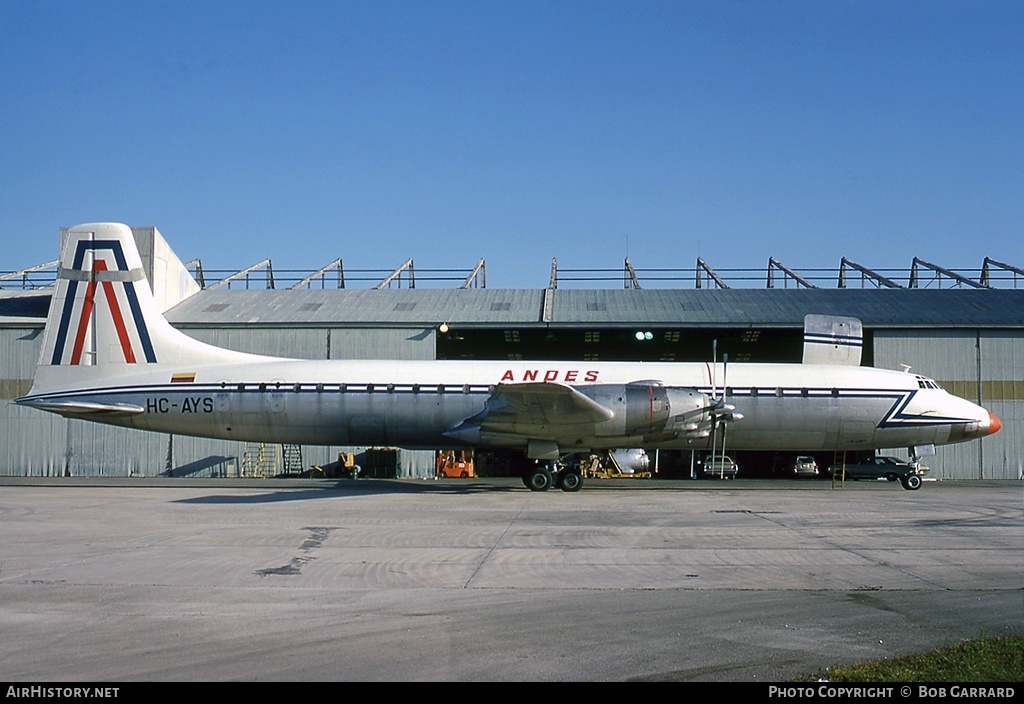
x=926, y=383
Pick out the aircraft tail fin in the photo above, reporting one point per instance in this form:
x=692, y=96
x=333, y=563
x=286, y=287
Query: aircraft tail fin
x=103, y=318
x=833, y=340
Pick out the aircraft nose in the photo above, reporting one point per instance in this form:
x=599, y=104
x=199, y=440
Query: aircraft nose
x=994, y=424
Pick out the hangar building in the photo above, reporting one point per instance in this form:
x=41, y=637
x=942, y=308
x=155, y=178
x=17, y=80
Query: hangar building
x=967, y=334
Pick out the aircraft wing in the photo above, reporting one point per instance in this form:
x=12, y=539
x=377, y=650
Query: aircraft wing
x=548, y=403
x=532, y=409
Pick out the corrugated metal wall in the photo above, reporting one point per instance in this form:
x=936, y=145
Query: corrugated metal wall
x=984, y=366
x=383, y=343
x=294, y=342
x=321, y=343
x=1002, y=388
x=32, y=442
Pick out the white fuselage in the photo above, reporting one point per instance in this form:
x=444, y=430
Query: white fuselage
x=414, y=404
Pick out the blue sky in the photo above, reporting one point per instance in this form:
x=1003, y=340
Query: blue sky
x=519, y=131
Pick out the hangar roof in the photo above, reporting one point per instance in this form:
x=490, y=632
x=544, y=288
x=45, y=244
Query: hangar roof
x=877, y=308
x=923, y=303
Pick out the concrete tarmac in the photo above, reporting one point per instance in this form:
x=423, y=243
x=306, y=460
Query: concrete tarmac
x=481, y=580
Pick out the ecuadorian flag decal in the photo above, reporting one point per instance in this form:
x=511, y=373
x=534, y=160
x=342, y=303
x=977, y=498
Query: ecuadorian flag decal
x=183, y=378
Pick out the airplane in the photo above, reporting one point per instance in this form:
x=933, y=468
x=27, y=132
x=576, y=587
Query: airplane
x=109, y=355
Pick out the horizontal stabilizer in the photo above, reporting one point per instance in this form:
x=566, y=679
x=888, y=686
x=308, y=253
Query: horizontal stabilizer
x=83, y=408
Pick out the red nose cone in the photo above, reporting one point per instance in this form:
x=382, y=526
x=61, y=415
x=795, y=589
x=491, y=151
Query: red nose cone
x=994, y=424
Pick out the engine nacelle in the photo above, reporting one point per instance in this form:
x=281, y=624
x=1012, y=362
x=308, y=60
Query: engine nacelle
x=650, y=409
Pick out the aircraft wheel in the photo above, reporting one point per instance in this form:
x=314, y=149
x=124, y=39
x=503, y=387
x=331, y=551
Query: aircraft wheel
x=911, y=482
x=570, y=480
x=539, y=479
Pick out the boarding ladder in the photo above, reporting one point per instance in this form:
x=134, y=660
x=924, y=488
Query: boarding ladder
x=259, y=460
x=292, y=455
x=838, y=467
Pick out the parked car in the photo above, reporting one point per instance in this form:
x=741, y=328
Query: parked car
x=888, y=468
x=794, y=467
x=720, y=466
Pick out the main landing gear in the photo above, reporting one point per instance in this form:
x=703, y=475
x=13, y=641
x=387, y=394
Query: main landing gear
x=542, y=477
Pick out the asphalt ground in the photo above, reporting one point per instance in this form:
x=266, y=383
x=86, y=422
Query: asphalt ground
x=175, y=580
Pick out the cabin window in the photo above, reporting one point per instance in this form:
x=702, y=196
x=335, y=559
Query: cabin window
x=415, y=388
x=778, y=391
x=440, y=388
x=391, y=388
x=465, y=388
x=805, y=393
x=835, y=393
x=753, y=393
x=369, y=388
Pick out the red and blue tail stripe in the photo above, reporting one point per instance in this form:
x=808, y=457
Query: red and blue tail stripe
x=107, y=279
